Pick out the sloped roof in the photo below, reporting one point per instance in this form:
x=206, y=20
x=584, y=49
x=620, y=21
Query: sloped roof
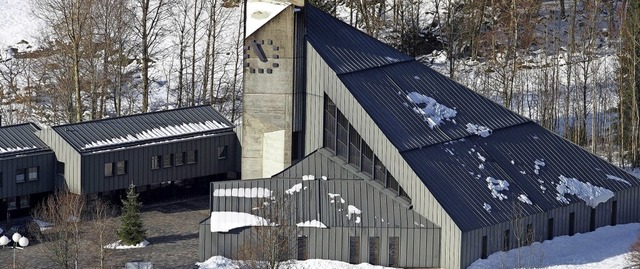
x=452, y=161
x=321, y=162
x=20, y=139
x=137, y=129
x=328, y=201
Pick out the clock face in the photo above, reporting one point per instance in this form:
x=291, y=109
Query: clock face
x=267, y=54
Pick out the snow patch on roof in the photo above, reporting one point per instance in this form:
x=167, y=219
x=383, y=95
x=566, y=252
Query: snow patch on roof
x=591, y=195
x=431, y=111
x=16, y=149
x=312, y=223
x=261, y=12
x=487, y=207
x=537, y=165
x=160, y=132
x=608, y=176
x=258, y=192
x=227, y=221
x=478, y=130
x=480, y=157
x=523, y=198
x=294, y=189
x=496, y=186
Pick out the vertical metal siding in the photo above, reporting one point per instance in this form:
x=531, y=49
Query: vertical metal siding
x=324, y=80
x=64, y=153
x=45, y=161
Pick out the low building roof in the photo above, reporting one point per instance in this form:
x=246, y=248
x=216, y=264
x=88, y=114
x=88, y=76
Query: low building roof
x=19, y=140
x=110, y=133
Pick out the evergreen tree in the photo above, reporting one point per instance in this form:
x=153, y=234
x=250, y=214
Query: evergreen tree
x=131, y=230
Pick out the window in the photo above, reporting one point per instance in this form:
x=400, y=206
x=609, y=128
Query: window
x=572, y=223
x=108, y=169
x=222, y=152
x=33, y=173
x=374, y=250
x=166, y=160
x=121, y=167
x=329, y=124
x=11, y=203
x=380, y=172
x=1, y=179
x=367, y=159
x=529, y=237
x=506, y=240
x=155, y=162
x=592, y=220
x=192, y=156
x=404, y=194
x=354, y=249
x=342, y=147
x=614, y=213
x=392, y=183
x=20, y=175
x=550, y=229
x=24, y=201
x=483, y=254
x=179, y=159
x=354, y=147
x=303, y=253
x=394, y=246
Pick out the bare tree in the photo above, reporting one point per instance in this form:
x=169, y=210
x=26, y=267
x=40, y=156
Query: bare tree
x=102, y=228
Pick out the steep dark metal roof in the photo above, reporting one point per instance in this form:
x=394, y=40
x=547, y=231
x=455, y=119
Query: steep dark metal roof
x=20, y=139
x=327, y=201
x=453, y=163
x=321, y=162
x=382, y=88
x=130, y=130
x=456, y=174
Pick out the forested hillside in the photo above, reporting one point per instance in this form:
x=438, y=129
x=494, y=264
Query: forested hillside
x=570, y=65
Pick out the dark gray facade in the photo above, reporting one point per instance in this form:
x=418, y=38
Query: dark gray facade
x=148, y=150
x=384, y=218
x=27, y=169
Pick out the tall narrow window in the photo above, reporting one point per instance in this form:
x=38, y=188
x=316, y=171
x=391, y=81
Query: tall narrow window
x=166, y=160
x=354, y=249
x=379, y=172
x=572, y=223
x=354, y=147
x=592, y=220
x=506, y=240
x=550, y=229
x=303, y=253
x=192, y=156
x=392, y=183
x=529, y=236
x=222, y=152
x=614, y=213
x=342, y=147
x=155, y=162
x=20, y=175
x=404, y=194
x=394, y=248
x=367, y=159
x=121, y=167
x=329, y=124
x=483, y=254
x=108, y=169
x=33, y=173
x=179, y=158
x=374, y=250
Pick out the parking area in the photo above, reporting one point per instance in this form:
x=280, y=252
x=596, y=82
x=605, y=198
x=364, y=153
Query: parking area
x=172, y=231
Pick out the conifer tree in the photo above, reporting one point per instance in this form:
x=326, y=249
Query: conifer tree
x=131, y=231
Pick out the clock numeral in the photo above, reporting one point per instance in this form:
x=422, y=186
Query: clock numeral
x=246, y=64
x=260, y=70
x=252, y=70
x=269, y=42
x=276, y=56
x=276, y=65
x=276, y=48
x=269, y=70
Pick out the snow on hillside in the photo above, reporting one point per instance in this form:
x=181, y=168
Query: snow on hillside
x=219, y=262
x=17, y=23
x=604, y=248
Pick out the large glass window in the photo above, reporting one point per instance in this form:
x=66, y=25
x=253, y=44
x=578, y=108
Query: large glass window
x=380, y=172
x=392, y=183
x=121, y=167
x=367, y=159
x=374, y=250
x=354, y=147
x=354, y=249
x=155, y=162
x=329, y=124
x=108, y=169
x=20, y=175
x=33, y=173
x=342, y=147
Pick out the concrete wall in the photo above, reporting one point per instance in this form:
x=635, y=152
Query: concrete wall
x=268, y=107
x=322, y=80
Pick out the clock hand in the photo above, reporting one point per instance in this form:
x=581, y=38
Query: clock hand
x=259, y=51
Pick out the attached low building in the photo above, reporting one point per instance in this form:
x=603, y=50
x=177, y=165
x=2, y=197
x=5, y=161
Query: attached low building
x=188, y=146
x=27, y=170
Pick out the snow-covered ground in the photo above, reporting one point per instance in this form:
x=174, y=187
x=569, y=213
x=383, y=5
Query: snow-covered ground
x=604, y=248
x=218, y=262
